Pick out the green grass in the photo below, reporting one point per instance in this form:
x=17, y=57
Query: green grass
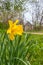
x=36, y=49
x=36, y=31
x=23, y=50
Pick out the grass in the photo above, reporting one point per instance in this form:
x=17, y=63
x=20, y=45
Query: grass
x=23, y=50
x=36, y=50
x=36, y=31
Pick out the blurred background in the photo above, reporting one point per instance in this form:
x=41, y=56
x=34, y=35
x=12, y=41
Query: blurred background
x=29, y=13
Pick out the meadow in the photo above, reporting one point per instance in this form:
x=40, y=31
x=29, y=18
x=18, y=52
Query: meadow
x=23, y=50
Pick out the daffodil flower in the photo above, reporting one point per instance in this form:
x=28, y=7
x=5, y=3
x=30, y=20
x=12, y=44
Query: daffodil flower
x=14, y=29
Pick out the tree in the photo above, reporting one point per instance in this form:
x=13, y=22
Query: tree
x=19, y=7
x=36, y=12
x=9, y=7
x=41, y=20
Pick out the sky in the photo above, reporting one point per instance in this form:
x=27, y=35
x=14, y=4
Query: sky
x=28, y=13
x=29, y=10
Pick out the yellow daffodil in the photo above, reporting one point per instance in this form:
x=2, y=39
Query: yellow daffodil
x=14, y=29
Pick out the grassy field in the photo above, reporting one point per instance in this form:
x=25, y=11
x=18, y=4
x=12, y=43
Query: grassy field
x=36, y=49
x=23, y=50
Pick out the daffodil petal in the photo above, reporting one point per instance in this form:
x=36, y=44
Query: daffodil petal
x=10, y=23
x=16, y=22
x=19, y=29
x=9, y=31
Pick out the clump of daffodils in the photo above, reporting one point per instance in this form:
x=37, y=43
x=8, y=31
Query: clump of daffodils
x=14, y=29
